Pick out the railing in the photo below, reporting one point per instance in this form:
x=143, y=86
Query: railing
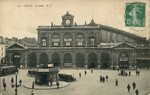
x=59, y=26
x=62, y=47
x=143, y=58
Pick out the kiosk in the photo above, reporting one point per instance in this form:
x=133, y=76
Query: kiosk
x=45, y=76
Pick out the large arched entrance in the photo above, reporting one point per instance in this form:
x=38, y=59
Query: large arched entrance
x=32, y=60
x=56, y=59
x=80, y=60
x=123, y=60
x=68, y=60
x=44, y=59
x=105, y=60
x=92, y=60
x=16, y=59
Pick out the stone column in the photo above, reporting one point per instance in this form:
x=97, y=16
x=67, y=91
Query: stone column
x=117, y=60
x=38, y=59
x=135, y=56
x=112, y=59
x=74, y=40
x=99, y=61
x=61, y=40
x=86, y=61
x=21, y=61
x=50, y=40
x=26, y=59
x=62, y=60
x=10, y=56
x=86, y=40
x=74, y=60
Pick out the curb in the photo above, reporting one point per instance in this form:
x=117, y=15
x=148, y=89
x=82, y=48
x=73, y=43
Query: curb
x=46, y=88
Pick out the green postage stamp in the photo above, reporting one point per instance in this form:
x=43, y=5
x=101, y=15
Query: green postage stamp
x=135, y=14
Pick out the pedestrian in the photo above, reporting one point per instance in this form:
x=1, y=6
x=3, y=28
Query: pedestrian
x=91, y=70
x=12, y=79
x=4, y=85
x=116, y=82
x=3, y=80
x=136, y=72
x=134, y=85
x=128, y=87
x=85, y=72
x=20, y=82
x=137, y=92
x=118, y=68
x=129, y=73
x=51, y=81
x=103, y=79
x=80, y=75
x=12, y=84
x=106, y=78
x=100, y=78
x=32, y=93
x=57, y=85
x=33, y=85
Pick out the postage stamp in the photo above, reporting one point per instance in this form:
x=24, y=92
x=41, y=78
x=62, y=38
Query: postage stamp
x=135, y=14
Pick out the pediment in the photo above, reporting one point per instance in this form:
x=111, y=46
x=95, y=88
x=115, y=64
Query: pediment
x=124, y=45
x=16, y=46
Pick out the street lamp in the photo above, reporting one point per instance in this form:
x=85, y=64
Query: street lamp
x=16, y=93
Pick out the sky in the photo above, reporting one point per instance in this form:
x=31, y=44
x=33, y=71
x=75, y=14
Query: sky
x=21, y=18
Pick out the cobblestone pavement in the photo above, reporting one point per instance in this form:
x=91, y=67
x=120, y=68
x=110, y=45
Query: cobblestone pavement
x=88, y=84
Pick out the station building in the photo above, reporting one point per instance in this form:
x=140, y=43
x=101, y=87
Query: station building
x=90, y=45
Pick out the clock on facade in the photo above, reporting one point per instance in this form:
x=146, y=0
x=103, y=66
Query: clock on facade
x=67, y=22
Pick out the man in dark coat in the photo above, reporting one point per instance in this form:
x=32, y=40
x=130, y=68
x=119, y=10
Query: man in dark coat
x=134, y=85
x=85, y=72
x=4, y=85
x=137, y=92
x=116, y=82
x=57, y=83
x=129, y=73
x=20, y=82
x=128, y=87
x=106, y=78
x=80, y=75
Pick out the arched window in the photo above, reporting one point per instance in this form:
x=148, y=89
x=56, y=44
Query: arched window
x=80, y=39
x=56, y=59
x=105, y=60
x=68, y=60
x=92, y=41
x=92, y=60
x=32, y=60
x=44, y=41
x=56, y=40
x=67, y=39
x=44, y=58
x=80, y=60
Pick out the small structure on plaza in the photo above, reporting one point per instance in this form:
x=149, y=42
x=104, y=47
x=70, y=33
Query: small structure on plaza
x=45, y=75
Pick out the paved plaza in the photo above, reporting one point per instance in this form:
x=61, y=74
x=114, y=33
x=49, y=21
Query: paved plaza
x=88, y=84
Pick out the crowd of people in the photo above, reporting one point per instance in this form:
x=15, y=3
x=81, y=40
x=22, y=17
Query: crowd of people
x=133, y=84
x=11, y=83
x=103, y=79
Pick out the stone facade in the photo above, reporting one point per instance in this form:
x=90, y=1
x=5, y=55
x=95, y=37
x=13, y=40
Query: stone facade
x=85, y=46
x=2, y=50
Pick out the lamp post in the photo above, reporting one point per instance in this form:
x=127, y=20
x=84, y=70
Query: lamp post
x=16, y=86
